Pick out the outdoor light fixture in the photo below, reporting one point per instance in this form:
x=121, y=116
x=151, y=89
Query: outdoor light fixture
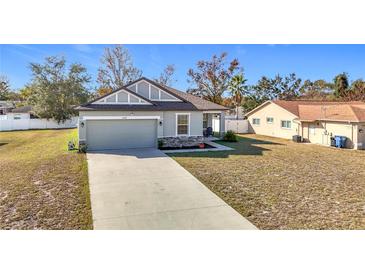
x=160, y=123
x=82, y=124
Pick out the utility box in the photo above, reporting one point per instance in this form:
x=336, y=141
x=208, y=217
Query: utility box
x=297, y=138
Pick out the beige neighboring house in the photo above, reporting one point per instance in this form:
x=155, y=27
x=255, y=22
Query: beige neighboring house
x=315, y=121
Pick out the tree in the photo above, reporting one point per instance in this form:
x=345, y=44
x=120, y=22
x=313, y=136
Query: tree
x=237, y=88
x=4, y=88
x=116, y=69
x=289, y=87
x=56, y=89
x=103, y=91
x=317, y=90
x=357, y=90
x=341, y=85
x=252, y=101
x=166, y=77
x=211, y=78
x=283, y=88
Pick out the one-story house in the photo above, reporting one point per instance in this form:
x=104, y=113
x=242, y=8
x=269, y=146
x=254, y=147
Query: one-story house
x=20, y=113
x=314, y=121
x=144, y=113
x=6, y=106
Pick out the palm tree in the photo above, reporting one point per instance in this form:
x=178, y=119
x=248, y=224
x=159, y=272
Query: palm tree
x=238, y=89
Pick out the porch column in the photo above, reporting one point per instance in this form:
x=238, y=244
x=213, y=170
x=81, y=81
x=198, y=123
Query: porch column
x=222, y=123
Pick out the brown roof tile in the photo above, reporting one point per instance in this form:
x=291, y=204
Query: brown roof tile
x=324, y=110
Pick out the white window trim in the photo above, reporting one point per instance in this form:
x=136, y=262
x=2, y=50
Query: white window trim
x=270, y=118
x=206, y=120
x=176, y=115
x=87, y=118
x=258, y=123
x=104, y=102
x=281, y=124
x=175, y=99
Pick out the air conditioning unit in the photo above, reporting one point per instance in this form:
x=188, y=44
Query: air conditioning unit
x=297, y=138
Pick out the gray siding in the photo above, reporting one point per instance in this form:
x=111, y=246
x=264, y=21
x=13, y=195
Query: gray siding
x=82, y=131
x=169, y=121
x=117, y=134
x=168, y=118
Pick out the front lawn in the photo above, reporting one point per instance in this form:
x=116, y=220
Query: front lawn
x=42, y=185
x=278, y=184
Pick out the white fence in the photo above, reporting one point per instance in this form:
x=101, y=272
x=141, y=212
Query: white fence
x=25, y=124
x=238, y=126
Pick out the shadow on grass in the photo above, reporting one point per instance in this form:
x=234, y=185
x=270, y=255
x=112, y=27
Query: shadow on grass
x=140, y=153
x=3, y=144
x=244, y=146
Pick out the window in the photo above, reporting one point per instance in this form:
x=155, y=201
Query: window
x=182, y=124
x=269, y=120
x=17, y=117
x=155, y=94
x=205, y=120
x=256, y=121
x=143, y=89
x=312, y=129
x=111, y=99
x=286, y=124
x=166, y=96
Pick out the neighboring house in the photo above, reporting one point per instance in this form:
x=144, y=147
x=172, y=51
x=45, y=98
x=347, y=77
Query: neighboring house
x=5, y=107
x=315, y=121
x=20, y=113
x=143, y=112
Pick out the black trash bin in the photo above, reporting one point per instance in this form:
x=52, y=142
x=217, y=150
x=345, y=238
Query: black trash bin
x=297, y=138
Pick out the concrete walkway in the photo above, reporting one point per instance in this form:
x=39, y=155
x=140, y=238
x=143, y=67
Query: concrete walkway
x=145, y=189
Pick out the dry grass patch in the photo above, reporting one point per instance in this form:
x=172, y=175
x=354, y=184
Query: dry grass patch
x=42, y=185
x=278, y=184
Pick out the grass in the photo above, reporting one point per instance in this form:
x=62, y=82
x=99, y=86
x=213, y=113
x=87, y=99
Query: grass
x=278, y=184
x=42, y=185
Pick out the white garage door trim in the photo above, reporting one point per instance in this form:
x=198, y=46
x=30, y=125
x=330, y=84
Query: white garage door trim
x=120, y=117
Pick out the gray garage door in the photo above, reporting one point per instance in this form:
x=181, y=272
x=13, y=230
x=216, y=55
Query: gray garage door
x=117, y=134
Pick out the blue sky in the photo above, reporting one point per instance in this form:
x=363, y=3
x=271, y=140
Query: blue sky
x=307, y=61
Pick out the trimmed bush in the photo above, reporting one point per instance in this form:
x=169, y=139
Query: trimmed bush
x=160, y=144
x=82, y=147
x=230, y=136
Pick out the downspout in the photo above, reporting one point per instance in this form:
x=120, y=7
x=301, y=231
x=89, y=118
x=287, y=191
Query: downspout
x=352, y=136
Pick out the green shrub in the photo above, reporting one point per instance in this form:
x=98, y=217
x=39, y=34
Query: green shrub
x=160, y=143
x=230, y=136
x=82, y=147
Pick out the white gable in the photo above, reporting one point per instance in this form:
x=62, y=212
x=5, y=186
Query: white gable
x=152, y=92
x=122, y=97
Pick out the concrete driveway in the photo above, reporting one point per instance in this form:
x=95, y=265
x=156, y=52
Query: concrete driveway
x=146, y=189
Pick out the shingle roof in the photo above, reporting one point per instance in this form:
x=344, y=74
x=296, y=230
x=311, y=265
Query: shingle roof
x=24, y=109
x=189, y=102
x=6, y=104
x=353, y=111
x=157, y=106
x=198, y=102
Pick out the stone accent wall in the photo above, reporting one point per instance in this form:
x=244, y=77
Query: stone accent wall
x=181, y=141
